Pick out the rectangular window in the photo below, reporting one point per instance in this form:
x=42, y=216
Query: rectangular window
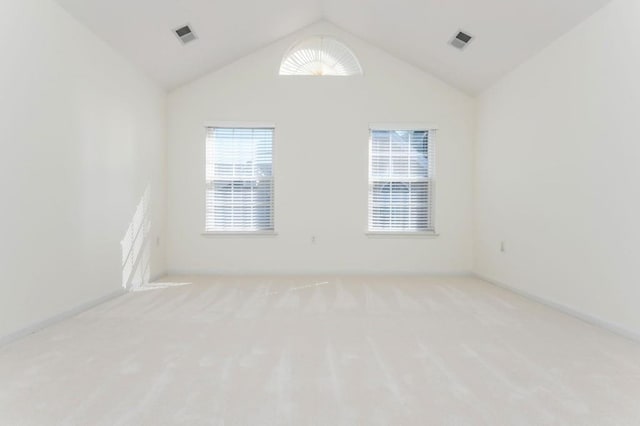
x=401, y=181
x=239, y=178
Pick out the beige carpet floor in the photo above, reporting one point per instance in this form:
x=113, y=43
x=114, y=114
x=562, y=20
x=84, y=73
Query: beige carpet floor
x=320, y=351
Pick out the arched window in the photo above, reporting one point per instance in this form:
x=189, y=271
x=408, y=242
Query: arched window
x=319, y=56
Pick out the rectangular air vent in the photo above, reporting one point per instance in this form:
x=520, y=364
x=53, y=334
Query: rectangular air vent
x=185, y=34
x=461, y=40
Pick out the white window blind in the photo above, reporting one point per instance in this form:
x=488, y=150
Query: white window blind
x=318, y=56
x=239, y=178
x=401, y=181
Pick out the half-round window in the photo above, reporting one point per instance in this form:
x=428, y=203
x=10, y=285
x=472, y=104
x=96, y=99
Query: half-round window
x=318, y=56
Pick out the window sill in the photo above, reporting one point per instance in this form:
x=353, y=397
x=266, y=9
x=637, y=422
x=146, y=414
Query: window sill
x=396, y=234
x=240, y=234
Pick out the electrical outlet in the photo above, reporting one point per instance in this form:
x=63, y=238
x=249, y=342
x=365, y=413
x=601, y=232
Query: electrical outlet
x=313, y=239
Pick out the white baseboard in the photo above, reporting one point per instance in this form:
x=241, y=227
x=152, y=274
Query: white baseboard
x=588, y=318
x=311, y=272
x=37, y=326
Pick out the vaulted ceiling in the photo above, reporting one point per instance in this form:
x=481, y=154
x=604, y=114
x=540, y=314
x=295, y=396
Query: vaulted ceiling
x=506, y=32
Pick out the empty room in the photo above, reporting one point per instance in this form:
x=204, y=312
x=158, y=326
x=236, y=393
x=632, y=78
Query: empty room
x=319, y=212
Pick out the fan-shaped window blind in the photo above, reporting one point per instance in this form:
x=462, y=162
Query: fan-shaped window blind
x=320, y=56
x=401, y=181
x=239, y=194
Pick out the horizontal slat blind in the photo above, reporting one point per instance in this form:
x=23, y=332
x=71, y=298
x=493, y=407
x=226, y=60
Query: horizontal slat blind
x=401, y=181
x=239, y=177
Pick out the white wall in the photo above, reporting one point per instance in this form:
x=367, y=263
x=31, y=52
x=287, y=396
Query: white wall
x=82, y=136
x=557, y=171
x=321, y=162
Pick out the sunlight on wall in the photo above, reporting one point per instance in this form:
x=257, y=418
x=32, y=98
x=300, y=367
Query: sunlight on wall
x=136, y=247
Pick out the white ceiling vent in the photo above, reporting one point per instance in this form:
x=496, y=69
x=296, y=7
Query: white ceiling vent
x=185, y=34
x=461, y=40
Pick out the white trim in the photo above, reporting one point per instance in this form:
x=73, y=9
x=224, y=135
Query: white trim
x=311, y=272
x=239, y=234
x=588, y=318
x=402, y=126
x=39, y=325
x=399, y=234
x=240, y=124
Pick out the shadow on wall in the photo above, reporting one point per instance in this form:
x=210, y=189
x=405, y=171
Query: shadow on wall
x=136, y=247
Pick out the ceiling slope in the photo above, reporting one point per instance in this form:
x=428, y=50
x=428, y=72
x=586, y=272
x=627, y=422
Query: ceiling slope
x=226, y=29
x=507, y=32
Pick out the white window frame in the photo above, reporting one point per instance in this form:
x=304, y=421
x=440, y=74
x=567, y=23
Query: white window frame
x=240, y=125
x=432, y=129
